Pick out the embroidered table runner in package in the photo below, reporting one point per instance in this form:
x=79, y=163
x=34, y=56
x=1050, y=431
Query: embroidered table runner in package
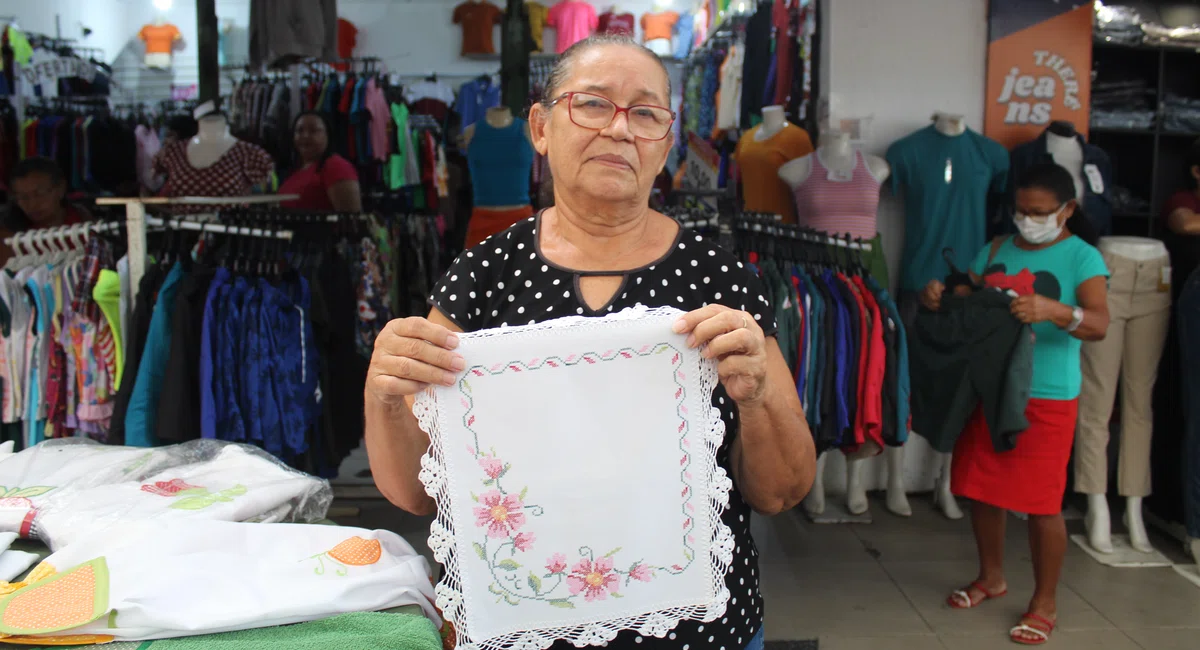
x=156, y=579
x=574, y=468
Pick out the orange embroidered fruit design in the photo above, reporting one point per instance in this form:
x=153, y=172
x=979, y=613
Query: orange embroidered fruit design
x=57, y=603
x=357, y=551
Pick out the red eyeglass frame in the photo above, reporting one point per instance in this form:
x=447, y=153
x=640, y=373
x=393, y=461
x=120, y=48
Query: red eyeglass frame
x=618, y=111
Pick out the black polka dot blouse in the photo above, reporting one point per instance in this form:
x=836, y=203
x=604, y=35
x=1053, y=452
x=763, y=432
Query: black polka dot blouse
x=505, y=281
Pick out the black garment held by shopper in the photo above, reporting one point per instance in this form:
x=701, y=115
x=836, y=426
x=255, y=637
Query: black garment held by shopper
x=505, y=281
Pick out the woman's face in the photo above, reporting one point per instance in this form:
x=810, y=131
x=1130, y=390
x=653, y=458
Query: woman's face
x=40, y=198
x=1040, y=204
x=607, y=165
x=310, y=138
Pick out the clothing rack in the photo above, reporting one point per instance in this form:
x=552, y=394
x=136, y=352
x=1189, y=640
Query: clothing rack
x=135, y=222
x=769, y=224
x=51, y=241
x=194, y=222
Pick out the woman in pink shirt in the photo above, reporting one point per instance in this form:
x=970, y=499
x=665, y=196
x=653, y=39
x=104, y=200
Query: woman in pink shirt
x=325, y=180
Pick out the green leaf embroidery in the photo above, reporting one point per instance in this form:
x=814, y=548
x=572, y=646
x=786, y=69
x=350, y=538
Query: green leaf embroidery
x=535, y=583
x=4, y=492
x=479, y=550
x=474, y=498
x=488, y=482
x=494, y=589
x=198, y=491
x=32, y=491
x=524, y=492
x=687, y=554
x=511, y=601
x=505, y=470
x=235, y=491
x=613, y=552
x=562, y=604
x=466, y=385
x=509, y=565
x=193, y=503
x=615, y=595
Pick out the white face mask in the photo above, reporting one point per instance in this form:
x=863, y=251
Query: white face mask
x=1039, y=230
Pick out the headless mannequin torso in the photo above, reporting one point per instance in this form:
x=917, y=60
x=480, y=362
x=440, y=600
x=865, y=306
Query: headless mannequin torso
x=773, y=122
x=212, y=141
x=837, y=154
x=497, y=117
x=1069, y=155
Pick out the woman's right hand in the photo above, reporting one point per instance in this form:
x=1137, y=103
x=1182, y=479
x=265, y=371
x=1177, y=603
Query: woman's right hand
x=931, y=296
x=410, y=354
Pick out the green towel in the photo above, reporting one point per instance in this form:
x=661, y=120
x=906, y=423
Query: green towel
x=358, y=631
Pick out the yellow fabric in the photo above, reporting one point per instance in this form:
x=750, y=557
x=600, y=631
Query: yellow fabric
x=537, y=21
x=22, y=50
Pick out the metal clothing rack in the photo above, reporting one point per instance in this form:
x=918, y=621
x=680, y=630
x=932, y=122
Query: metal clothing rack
x=135, y=222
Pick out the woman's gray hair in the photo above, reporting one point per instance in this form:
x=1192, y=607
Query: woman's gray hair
x=562, y=68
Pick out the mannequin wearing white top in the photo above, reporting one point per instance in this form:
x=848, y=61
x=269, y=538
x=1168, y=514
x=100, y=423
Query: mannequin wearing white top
x=837, y=154
x=774, y=121
x=1068, y=154
x=1098, y=520
x=212, y=141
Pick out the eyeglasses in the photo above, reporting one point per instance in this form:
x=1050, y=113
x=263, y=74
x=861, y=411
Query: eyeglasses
x=594, y=112
x=1041, y=218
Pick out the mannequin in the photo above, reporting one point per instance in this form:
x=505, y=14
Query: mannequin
x=760, y=153
x=773, y=122
x=836, y=152
x=160, y=38
x=657, y=27
x=192, y=168
x=500, y=158
x=1066, y=151
x=212, y=141
x=949, y=123
x=1140, y=308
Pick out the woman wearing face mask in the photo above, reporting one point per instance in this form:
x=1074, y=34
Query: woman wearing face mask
x=1060, y=280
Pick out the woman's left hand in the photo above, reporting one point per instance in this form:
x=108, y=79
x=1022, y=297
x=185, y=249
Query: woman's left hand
x=1035, y=308
x=737, y=342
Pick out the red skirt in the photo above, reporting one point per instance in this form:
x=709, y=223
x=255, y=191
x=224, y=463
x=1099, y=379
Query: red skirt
x=1031, y=478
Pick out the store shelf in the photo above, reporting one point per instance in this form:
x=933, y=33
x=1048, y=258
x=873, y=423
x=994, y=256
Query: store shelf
x=1119, y=130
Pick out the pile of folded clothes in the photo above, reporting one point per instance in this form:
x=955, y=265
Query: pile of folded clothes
x=1122, y=104
x=1117, y=24
x=1181, y=114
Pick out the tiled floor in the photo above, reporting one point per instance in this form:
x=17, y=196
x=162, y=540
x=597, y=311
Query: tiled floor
x=882, y=586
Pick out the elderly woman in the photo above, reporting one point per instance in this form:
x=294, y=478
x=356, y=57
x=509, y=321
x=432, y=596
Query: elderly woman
x=607, y=132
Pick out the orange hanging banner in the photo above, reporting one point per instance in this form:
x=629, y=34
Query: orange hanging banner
x=1039, y=68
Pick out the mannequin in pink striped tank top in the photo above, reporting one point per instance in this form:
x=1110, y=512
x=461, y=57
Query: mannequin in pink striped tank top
x=837, y=191
x=837, y=187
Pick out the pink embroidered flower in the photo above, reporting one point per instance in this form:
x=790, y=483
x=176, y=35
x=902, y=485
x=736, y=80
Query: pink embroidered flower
x=595, y=580
x=641, y=572
x=493, y=466
x=557, y=563
x=501, y=514
x=523, y=541
x=168, y=488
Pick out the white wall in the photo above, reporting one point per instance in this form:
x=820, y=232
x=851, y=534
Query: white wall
x=897, y=63
x=413, y=37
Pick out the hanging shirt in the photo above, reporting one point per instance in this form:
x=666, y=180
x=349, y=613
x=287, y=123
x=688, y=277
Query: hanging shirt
x=477, y=20
x=574, y=21
x=159, y=39
x=656, y=26
x=141, y=418
x=474, y=98
x=611, y=23
x=537, y=22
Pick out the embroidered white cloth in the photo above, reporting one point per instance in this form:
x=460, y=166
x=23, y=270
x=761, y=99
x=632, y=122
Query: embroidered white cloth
x=162, y=579
x=574, y=468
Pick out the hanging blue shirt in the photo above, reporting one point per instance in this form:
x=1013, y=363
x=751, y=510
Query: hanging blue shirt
x=208, y=346
x=142, y=415
x=474, y=98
